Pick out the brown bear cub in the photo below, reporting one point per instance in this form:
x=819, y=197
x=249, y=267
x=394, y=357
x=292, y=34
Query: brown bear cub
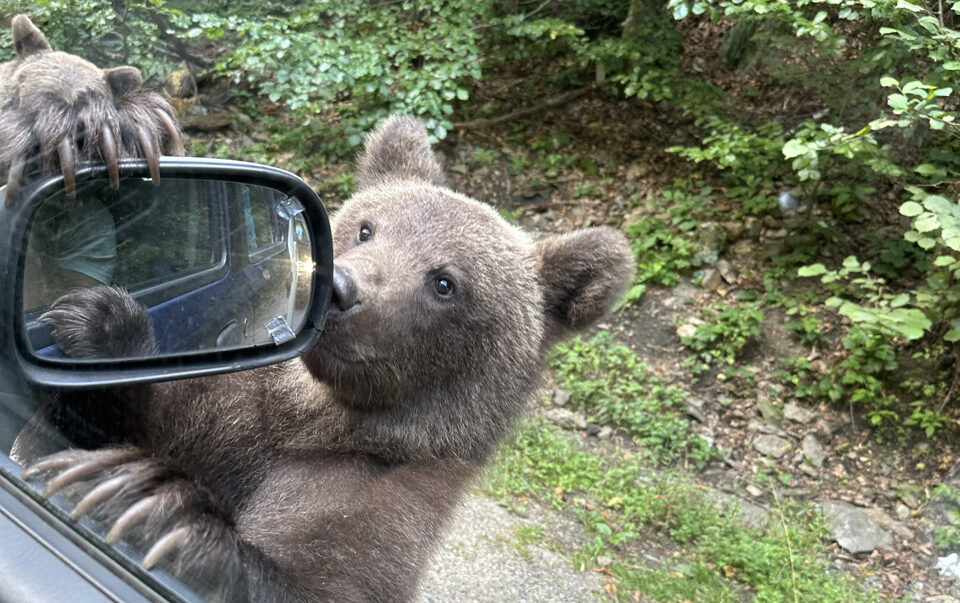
x=58, y=110
x=330, y=477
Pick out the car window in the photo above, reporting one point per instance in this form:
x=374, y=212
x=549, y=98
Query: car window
x=140, y=237
x=260, y=218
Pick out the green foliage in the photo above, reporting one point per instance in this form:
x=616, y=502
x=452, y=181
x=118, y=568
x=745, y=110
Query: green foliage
x=358, y=60
x=612, y=385
x=875, y=309
x=663, y=247
x=662, y=254
x=750, y=161
x=94, y=30
x=947, y=536
x=807, y=324
x=724, y=333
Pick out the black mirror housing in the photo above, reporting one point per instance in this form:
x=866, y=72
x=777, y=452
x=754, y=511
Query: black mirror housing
x=20, y=348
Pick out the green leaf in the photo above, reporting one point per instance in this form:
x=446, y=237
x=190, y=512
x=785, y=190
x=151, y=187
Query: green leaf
x=900, y=300
x=898, y=102
x=953, y=335
x=936, y=203
x=926, y=222
x=888, y=81
x=944, y=260
x=953, y=242
x=794, y=148
x=927, y=169
x=911, y=209
x=909, y=6
x=812, y=270
x=912, y=86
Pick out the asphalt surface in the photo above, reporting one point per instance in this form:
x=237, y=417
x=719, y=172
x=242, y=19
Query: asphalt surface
x=482, y=559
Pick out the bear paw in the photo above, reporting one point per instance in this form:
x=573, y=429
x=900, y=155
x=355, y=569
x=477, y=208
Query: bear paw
x=101, y=322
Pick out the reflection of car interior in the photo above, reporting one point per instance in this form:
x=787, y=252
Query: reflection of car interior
x=209, y=259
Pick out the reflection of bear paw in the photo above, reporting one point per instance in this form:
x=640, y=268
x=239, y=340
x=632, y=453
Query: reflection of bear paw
x=101, y=322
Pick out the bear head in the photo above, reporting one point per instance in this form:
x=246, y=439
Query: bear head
x=443, y=311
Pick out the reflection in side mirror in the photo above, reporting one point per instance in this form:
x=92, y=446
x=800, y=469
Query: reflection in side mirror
x=202, y=264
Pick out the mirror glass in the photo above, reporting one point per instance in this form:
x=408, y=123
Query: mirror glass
x=213, y=264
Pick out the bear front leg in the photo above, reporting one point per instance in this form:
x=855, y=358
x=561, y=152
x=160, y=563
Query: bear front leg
x=159, y=511
x=101, y=322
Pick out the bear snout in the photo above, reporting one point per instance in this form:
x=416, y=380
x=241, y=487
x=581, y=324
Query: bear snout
x=345, y=295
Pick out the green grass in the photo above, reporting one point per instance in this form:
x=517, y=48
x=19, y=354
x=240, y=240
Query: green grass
x=613, y=386
x=622, y=500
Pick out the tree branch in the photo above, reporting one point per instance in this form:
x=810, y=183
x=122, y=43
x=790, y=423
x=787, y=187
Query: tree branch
x=550, y=103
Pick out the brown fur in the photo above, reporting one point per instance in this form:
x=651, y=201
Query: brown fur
x=330, y=477
x=58, y=110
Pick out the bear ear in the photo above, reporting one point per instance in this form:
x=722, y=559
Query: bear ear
x=583, y=274
x=123, y=80
x=398, y=149
x=27, y=39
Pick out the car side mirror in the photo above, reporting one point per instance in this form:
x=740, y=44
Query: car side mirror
x=214, y=267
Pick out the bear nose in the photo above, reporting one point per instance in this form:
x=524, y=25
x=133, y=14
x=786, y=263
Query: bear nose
x=344, y=289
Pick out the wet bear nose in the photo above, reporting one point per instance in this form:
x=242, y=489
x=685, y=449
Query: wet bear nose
x=344, y=289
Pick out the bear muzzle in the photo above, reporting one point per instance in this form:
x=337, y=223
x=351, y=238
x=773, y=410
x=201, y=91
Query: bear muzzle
x=345, y=294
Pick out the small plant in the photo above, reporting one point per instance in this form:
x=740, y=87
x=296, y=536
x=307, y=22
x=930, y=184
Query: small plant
x=482, y=156
x=807, y=324
x=588, y=190
x=726, y=330
x=947, y=536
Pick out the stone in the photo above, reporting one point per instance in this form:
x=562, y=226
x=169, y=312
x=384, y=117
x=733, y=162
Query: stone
x=751, y=515
x=604, y=560
x=779, y=233
x=771, y=445
x=949, y=566
x=711, y=279
x=853, y=530
x=902, y=511
x=566, y=418
x=752, y=227
x=798, y=414
x=710, y=238
x=605, y=432
x=754, y=491
x=813, y=450
x=909, y=499
x=727, y=272
x=734, y=230
x=768, y=410
x=687, y=329
x=695, y=409
x=561, y=397
x=683, y=292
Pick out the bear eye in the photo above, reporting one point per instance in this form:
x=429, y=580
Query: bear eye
x=443, y=287
x=365, y=233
